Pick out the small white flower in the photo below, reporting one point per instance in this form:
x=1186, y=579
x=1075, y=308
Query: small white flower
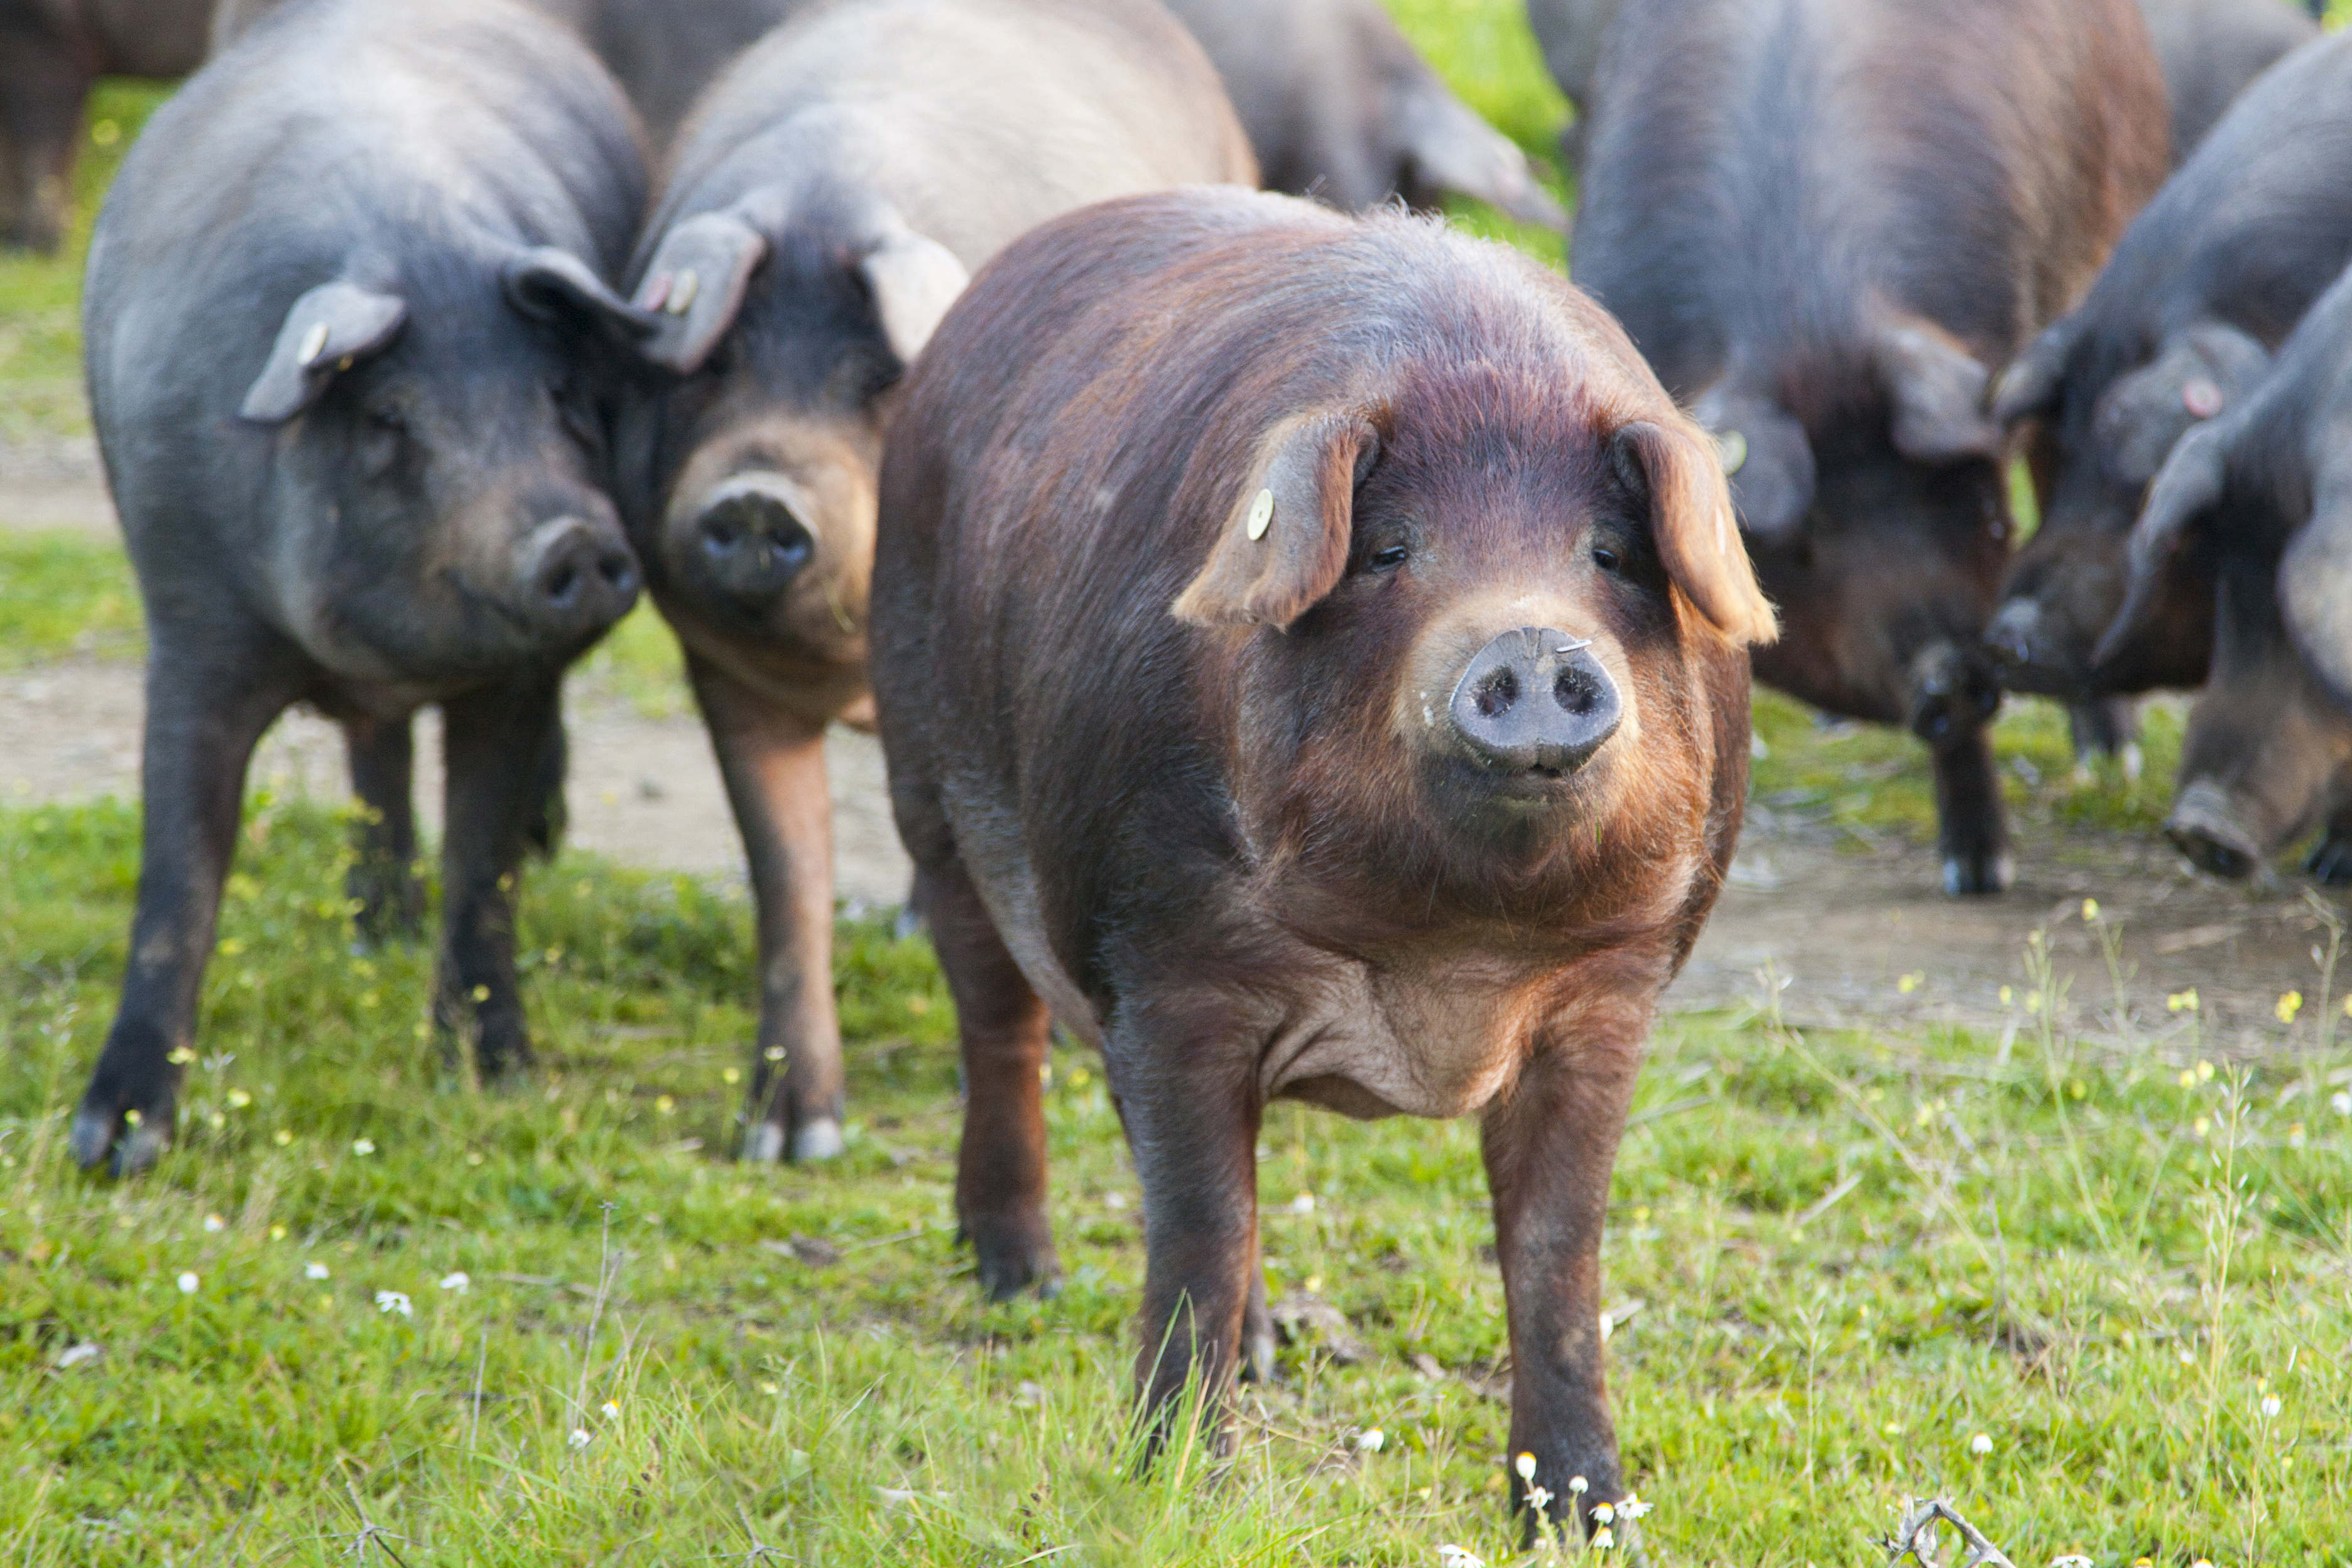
x=188, y=1283
x=1539, y=1497
x=2072, y=1560
x=1604, y=1514
x=1981, y=1445
x=1450, y=1556
x=1526, y=1464
x=1604, y=1539
x=215, y=1224
x=1632, y=1507
x=1303, y=1204
x=2341, y=1102
x=363, y=1145
x=1371, y=1439
x=609, y=1411
x=1577, y=1486
x=460, y=1282
x=580, y=1439
x=2271, y=1405
x=390, y=1301
x=316, y=1271
x=73, y=1355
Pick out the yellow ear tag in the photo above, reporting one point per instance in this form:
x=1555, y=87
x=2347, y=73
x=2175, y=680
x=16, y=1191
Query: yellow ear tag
x=1260, y=514
x=314, y=344
x=682, y=290
x=1731, y=451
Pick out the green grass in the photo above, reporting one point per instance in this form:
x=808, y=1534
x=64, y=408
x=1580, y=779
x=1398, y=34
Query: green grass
x=64, y=593
x=1853, y=1255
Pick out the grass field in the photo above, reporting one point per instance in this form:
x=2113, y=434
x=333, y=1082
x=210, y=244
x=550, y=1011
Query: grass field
x=2082, y=1275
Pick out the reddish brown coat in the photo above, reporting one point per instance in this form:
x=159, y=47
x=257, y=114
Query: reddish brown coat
x=1191, y=788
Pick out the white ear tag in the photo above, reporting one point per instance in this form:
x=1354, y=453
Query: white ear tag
x=1260, y=514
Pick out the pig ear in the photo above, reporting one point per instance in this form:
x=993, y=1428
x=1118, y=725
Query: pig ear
x=1284, y=539
x=2029, y=388
x=695, y=284
x=1767, y=456
x=2200, y=373
x=1678, y=472
x=2315, y=586
x=1936, y=389
x=328, y=328
x=2189, y=486
x=548, y=284
x=913, y=280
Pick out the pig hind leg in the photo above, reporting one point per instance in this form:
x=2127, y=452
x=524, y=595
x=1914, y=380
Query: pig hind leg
x=1954, y=695
x=1001, y=1025
x=383, y=881
x=499, y=742
x=206, y=708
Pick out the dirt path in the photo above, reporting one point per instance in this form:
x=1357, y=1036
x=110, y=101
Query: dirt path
x=1843, y=926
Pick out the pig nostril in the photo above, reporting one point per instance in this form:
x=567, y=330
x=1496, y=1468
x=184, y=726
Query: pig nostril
x=1496, y=694
x=617, y=571
x=562, y=584
x=1574, y=692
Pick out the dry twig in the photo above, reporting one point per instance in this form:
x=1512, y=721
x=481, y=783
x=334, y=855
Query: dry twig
x=1915, y=1538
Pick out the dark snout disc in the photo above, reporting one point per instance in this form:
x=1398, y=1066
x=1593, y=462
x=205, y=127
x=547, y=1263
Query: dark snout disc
x=1535, y=700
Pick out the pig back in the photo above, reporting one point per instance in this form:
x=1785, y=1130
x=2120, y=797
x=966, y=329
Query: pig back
x=1766, y=172
x=977, y=119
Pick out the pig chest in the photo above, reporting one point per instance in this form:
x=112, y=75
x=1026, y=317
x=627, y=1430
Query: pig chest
x=1437, y=1040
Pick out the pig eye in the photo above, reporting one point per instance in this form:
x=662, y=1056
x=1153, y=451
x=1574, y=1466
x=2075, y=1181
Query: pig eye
x=1388, y=559
x=1605, y=559
x=388, y=416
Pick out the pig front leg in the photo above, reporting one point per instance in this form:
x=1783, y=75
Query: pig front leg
x=1954, y=695
x=205, y=714
x=1550, y=1149
x=383, y=880
x=1001, y=1025
x=773, y=762
x=499, y=743
x=1193, y=1129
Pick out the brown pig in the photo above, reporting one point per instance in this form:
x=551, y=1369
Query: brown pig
x=1311, y=657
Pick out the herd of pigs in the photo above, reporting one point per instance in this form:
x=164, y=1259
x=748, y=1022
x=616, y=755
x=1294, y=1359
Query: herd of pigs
x=1311, y=650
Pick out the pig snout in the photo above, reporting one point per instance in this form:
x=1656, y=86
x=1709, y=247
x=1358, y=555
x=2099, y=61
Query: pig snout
x=1953, y=691
x=1535, y=700
x=2015, y=634
x=750, y=543
x=576, y=576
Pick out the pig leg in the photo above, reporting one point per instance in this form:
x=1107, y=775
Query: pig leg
x=1970, y=833
x=2105, y=727
x=1001, y=1025
x=383, y=879
x=773, y=762
x=497, y=742
x=204, y=717
x=1192, y=1126
x=1550, y=1148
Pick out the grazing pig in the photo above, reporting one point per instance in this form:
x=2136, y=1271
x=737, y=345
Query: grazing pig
x=1570, y=33
x=343, y=407
x=1822, y=220
x=2210, y=49
x=2181, y=326
x=51, y=52
x=2255, y=505
x=1309, y=656
x=826, y=204
x=1341, y=105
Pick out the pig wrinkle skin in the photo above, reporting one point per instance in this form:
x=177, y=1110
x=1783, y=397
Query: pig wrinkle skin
x=349, y=404
x=1825, y=222
x=1196, y=811
x=827, y=197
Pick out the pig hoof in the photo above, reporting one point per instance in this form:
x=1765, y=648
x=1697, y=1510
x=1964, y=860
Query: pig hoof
x=97, y=1134
x=2208, y=836
x=819, y=1140
x=1971, y=876
x=2331, y=864
x=1013, y=1257
x=763, y=1145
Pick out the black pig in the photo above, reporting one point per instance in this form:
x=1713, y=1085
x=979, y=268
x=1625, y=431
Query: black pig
x=335, y=322
x=1822, y=220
